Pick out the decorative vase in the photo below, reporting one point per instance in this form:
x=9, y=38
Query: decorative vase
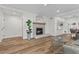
x=29, y=36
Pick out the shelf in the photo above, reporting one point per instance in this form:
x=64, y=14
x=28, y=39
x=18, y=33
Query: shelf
x=39, y=23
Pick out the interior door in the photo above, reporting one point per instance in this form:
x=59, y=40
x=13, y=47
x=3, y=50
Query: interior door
x=13, y=26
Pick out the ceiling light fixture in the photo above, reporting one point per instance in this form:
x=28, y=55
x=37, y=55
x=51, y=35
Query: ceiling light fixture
x=45, y=4
x=58, y=11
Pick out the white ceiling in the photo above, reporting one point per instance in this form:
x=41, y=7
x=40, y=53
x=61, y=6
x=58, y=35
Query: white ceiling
x=49, y=10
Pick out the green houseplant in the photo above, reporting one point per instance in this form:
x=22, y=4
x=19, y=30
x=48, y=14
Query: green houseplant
x=29, y=30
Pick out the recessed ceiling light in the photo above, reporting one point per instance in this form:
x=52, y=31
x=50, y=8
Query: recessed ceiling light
x=58, y=11
x=45, y=4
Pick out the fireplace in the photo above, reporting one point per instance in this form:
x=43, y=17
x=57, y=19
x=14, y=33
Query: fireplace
x=39, y=31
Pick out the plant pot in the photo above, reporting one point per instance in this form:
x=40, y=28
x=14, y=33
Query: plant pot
x=29, y=36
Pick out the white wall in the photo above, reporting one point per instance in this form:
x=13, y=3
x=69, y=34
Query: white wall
x=1, y=25
x=50, y=26
x=59, y=30
x=10, y=24
x=15, y=23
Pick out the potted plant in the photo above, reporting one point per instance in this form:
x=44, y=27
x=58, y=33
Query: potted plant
x=29, y=30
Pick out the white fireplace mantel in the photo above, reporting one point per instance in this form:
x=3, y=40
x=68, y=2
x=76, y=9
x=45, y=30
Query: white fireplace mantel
x=43, y=23
x=38, y=25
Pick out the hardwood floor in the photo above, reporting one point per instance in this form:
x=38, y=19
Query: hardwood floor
x=17, y=45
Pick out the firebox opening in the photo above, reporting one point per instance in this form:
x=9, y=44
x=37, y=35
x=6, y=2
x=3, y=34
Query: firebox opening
x=39, y=31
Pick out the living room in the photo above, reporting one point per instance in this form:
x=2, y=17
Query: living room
x=39, y=28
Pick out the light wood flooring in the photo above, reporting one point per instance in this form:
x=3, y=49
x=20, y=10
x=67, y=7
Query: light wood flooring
x=45, y=45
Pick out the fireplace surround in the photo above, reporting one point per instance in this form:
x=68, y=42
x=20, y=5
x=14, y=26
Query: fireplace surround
x=38, y=29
